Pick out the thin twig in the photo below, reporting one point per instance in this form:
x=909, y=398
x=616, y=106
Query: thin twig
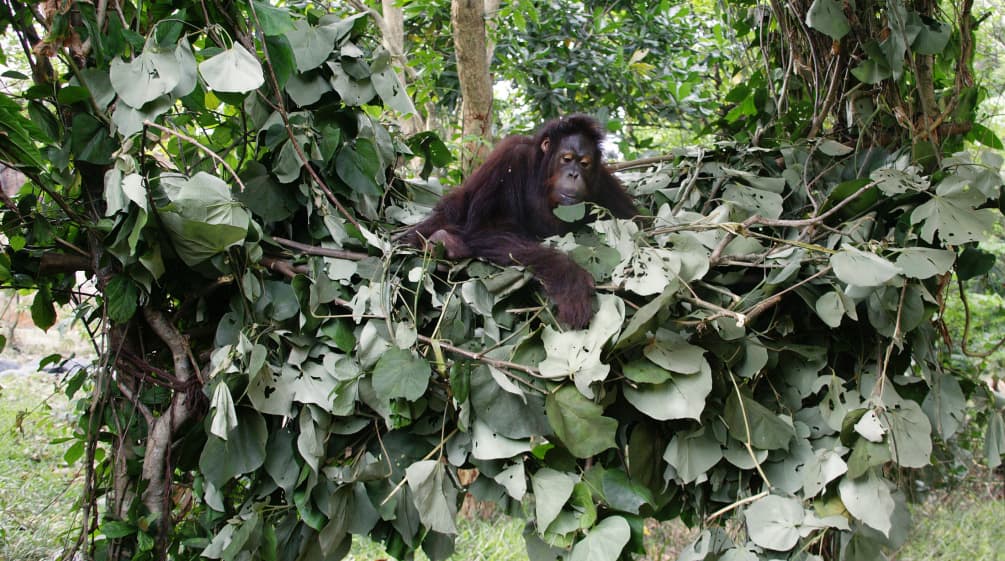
x=735, y=505
x=432, y=452
x=965, y=343
x=200, y=146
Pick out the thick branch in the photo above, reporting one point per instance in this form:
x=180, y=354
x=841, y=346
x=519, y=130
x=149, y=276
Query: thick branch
x=322, y=251
x=156, y=463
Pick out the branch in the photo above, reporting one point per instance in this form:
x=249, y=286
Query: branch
x=641, y=163
x=282, y=267
x=200, y=146
x=322, y=251
x=501, y=364
x=965, y=344
x=157, y=460
x=761, y=307
x=55, y=263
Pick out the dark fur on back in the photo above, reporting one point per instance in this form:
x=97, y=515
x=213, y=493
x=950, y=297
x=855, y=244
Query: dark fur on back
x=502, y=211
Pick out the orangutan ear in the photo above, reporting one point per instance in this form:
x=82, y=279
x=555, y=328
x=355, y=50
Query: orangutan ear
x=545, y=144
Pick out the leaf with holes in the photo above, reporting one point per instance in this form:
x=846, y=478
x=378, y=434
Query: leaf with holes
x=956, y=218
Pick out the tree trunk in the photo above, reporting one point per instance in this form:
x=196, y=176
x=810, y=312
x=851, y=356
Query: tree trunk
x=467, y=18
x=156, y=462
x=393, y=32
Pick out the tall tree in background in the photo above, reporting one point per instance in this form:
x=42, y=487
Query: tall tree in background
x=467, y=18
x=881, y=74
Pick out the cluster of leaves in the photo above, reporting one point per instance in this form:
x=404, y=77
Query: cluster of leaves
x=912, y=73
x=763, y=345
x=565, y=57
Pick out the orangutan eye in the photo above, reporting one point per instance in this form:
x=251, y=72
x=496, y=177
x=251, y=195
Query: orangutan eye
x=585, y=162
x=567, y=158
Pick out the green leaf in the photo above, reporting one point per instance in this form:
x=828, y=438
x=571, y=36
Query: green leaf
x=773, y=522
x=43, y=312
x=307, y=88
x=113, y=529
x=604, y=542
x=570, y=213
x=755, y=201
x=923, y=262
x=128, y=120
x=833, y=147
x=994, y=440
x=274, y=20
x=507, y=414
x=242, y=452
x=945, y=405
x=399, y=373
x=90, y=141
x=552, y=490
x=872, y=71
x=203, y=219
x=755, y=358
x=643, y=371
x=354, y=92
x=576, y=355
x=827, y=17
x=682, y=397
x=273, y=390
x=624, y=494
x=188, y=72
x=434, y=496
x=932, y=38
x=893, y=181
x=674, y=353
x=749, y=421
x=487, y=444
x=693, y=454
x=153, y=73
x=956, y=217
x=984, y=135
x=579, y=423
x=974, y=262
x=388, y=87
x=98, y=85
x=121, y=295
x=869, y=499
x=860, y=268
x=224, y=414
x=649, y=271
x=911, y=434
x=358, y=165
x=311, y=44
x=234, y=70
x=514, y=480
x=264, y=196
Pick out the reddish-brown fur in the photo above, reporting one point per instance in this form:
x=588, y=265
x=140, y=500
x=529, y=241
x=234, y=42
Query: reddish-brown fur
x=504, y=209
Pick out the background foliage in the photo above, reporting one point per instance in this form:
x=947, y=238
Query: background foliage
x=277, y=374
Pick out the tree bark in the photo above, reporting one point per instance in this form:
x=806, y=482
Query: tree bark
x=467, y=17
x=393, y=32
x=157, y=467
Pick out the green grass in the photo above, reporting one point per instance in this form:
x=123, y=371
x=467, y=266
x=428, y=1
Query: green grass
x=497, y=539
x=37, y=489
x=966, y=525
